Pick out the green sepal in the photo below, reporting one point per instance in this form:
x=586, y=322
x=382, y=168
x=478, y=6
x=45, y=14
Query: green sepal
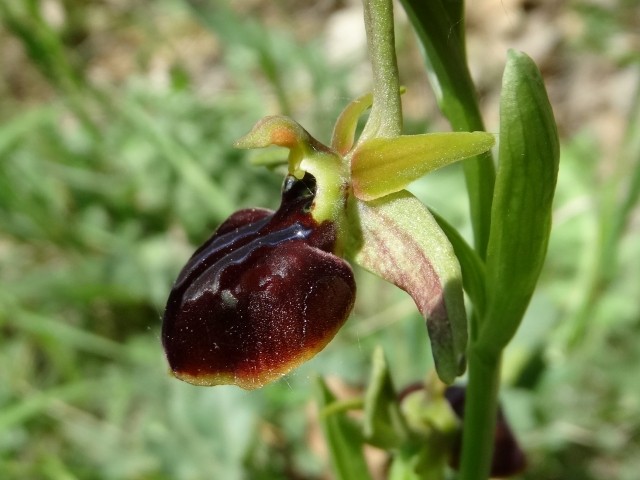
x=381, y=166
x=384, y=425
x=343, y=437
x=397, y=238
x=282, y=132
x=521, y=213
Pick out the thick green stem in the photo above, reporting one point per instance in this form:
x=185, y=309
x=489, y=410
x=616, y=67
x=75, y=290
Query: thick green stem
x=480, y=415
x=386, y=113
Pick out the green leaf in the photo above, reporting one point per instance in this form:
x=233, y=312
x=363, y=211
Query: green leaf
x=438, y=25
x=343, y=438
x=446, y=62
x=381, y=166
x=384, y=425
x=455, y=13
x=521, y=214
x=397, y=238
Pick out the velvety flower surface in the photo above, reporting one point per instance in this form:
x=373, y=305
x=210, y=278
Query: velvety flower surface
x=262, y=295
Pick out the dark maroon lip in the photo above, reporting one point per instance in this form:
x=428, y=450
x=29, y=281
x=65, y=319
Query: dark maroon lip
x=268, y=229
x=209, y=277
x=214, y=248
x=262, y=294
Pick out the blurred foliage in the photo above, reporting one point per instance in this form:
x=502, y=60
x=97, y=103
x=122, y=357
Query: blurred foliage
x=116, y=125
x=609, y=28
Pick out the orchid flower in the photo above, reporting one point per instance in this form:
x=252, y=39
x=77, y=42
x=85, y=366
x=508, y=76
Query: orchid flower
x=269, y=290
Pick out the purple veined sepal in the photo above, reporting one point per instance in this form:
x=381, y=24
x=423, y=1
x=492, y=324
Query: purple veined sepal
x=264, y=294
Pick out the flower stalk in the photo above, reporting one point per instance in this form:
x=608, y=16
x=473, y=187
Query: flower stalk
x=480, y=415
x=386, y=113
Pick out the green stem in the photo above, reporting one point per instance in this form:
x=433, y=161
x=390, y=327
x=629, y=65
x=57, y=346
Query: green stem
x=385, y=119
x=480, y=415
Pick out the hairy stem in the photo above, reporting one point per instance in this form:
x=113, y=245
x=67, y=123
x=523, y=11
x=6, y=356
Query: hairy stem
x=386, y=113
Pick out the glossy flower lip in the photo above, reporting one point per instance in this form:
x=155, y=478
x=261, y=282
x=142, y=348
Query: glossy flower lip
x=264, y=294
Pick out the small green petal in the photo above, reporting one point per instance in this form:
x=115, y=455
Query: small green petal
x=397, y=238
x=381, y=166
x=345, y=128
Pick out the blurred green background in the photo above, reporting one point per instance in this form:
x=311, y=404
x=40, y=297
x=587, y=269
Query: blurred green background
x=116, y=125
